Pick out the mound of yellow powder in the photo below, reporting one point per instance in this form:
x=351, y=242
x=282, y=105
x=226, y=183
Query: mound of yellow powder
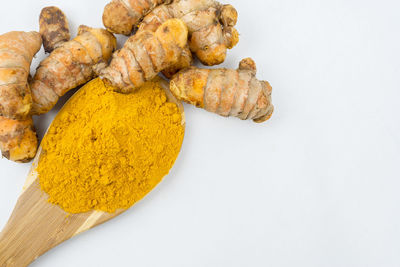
x=106, y=151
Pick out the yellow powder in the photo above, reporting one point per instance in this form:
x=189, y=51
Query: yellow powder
x=106, y=151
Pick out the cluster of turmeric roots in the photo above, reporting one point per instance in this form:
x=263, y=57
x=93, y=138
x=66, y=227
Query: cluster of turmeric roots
x=164, y=36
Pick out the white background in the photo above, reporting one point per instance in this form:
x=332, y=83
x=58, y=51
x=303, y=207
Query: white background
x=317, y=185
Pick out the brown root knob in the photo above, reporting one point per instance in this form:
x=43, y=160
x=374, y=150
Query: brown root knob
x=228, y=16
x=266, y=116
x=18, y=140
x=53, y=28
x=122, y=16
x=116, y=18
x=185, y=60
x=265, y=113
x=248, y=64
x=231, y=36
x=82, y=29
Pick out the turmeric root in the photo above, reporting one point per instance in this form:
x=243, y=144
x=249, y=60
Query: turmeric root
x=185, y=60
x=121, y=16
x=210, y=24
x=16, y=52
x=70, y=65
x=53, y=28
x=226, y=92
x=18, y=140
x=144, y=55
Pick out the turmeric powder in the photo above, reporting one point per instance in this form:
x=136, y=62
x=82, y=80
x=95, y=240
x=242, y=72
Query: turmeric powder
x=105, y=150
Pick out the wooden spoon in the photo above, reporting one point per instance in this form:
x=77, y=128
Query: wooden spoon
x=36, y=226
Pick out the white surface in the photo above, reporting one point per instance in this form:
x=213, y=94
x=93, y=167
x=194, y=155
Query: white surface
x=317, y=185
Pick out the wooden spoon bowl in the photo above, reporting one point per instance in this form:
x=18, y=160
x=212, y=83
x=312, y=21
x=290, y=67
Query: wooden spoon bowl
x=36, y=226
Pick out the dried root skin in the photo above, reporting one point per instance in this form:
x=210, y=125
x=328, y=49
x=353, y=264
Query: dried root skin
x=54, y=28
x=106, y=40
x=248, y=64
x=228, y=16
x=231, y=37
x=189, y=84
x=121, y=16
x=155, y=19
x=265, y=115
x=210, y=25
x=172, y=34
x=18, y=140
x=16, y=52
x=70, y=65
x=144, y=55
x=185, y=60
x=226, y=92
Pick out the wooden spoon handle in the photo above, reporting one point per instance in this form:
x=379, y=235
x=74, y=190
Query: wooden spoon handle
x=34, y=227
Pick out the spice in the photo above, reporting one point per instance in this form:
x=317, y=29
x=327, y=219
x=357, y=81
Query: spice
x=106, y=151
